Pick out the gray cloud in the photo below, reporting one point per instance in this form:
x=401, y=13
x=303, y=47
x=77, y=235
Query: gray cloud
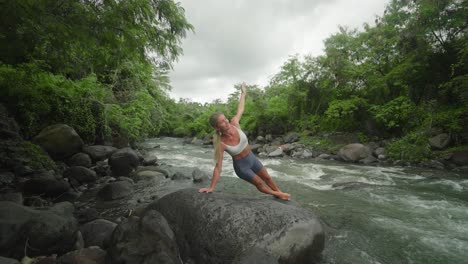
x=241, y=40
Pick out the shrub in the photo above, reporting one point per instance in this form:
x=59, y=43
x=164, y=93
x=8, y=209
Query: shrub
x=413, y=147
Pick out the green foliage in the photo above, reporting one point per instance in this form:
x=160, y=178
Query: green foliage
x=38, y=99
x=413, y=147
x=38, y=158
x=394, y=114
x=343, y=114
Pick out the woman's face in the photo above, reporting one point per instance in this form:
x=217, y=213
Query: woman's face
x=223, y=123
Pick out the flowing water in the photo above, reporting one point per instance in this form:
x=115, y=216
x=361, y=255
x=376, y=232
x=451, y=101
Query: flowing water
x=371, y=214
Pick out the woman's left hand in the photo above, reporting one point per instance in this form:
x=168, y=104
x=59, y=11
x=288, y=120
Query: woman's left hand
x=243, y=88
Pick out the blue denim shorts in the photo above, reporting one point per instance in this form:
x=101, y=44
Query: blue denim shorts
x=247, y=167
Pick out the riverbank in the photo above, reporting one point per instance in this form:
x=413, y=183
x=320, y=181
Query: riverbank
x=347, y=147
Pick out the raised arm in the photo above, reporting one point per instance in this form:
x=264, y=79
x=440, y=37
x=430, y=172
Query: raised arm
x=240, y=106
x=216, y=172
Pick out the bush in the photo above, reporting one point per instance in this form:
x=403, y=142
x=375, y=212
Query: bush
x=413, y=147
x=343, y=114
x=394, y=114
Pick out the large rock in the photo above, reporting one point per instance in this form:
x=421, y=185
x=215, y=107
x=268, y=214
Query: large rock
x=354, y=152
x=99, y=152
x=80, y=159
x=115, y=190
x=145, y=240
x=219, y=227
x=97, y=232
x=46, y=187
x=60, y=141
x=123, y=162
x=80, y=175
x=51, y=231
x=440, y=141
x=460, y=158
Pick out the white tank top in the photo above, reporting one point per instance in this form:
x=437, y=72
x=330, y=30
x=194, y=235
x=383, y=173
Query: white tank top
x=237, y=149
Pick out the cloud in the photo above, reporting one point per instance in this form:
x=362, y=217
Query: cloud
x=241, y=40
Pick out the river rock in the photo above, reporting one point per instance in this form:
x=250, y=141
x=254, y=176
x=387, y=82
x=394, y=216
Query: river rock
x=460, y=158
x=115, y=190
x=276, y=153
x=220, y=227
x=123, y=162
x=145, y=240
x=440, y=141
x=4, y=260
x=97, y=232
x=99, y=152
x=60, y=141
x=80, y=175
x=46, y=231
x=199, y=175
x=354, y=152
x=91, y=255
x=291, y=137
x=80, y=159
x=46, y=187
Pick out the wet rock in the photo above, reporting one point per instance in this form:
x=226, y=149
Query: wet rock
x=15, y=197
x=379, y=151
x=6, y=178
x=87, y=214
x=276, y=153
x=148, y=161
x=291, y=137
x=460, y=158
x=199, y=175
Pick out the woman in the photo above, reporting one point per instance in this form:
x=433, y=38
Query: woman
x=230, y=138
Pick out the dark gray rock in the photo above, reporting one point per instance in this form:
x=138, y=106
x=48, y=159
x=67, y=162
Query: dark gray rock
x=354, y=152
x=440, y=141
x=91, y=255
x=80, y=174
x=60, y=141
x=231, y=224
x=291, y=137
x=145, y=240
x=97, y=233
x=115, y=190
x=6, y=178
x=47, y=187
x=123, y=162
x=46, y=231
x=199, y=175
x=15, y=197
x=80, y=159
x=460, y=158
x=99, y=152
x=4, y=260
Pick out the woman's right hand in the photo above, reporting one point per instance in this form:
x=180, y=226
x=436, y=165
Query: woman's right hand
x=243, y=88
x=205, y=190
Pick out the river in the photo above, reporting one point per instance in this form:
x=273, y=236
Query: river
x=372, y=214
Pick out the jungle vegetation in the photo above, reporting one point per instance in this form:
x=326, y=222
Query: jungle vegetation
x=101, y=67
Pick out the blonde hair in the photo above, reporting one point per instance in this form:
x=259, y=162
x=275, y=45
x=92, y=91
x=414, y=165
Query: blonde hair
x=217, y=135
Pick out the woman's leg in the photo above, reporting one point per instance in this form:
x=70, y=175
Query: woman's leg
x=258, y=182
x=263, y=174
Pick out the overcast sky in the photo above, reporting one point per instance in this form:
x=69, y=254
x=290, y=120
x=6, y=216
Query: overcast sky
x=240, y=40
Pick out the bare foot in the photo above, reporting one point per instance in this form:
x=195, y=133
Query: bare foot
x=284, y=196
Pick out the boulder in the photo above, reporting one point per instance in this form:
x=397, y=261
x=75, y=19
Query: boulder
x=80, y=159
x=440, y=141
x=199, y=175
x=123, y=162
x=276, y=153
x=460, y=158
x=97, y=232
x=4, y=260
x=115, y=190
x=291, y=137
x=145, y=240
x=60, y=141
x=45, y=231
x=91, y=255
x=99, y=152
x=354, y=152
x=80, y=175
x=46, y=187
x=220, y=227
